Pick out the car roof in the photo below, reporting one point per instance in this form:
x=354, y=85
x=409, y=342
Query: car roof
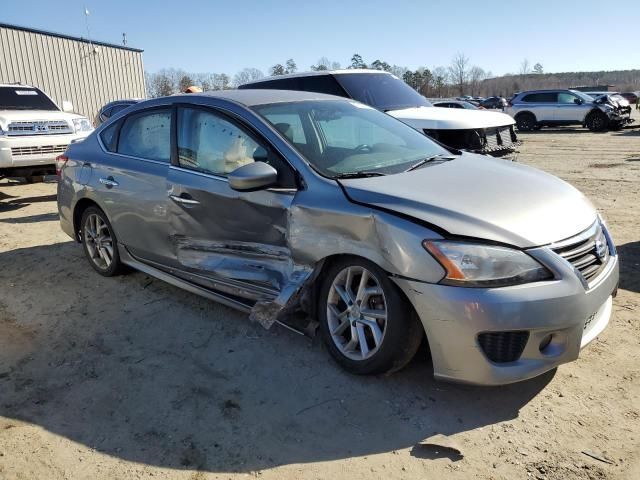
x=252, y=97
x=319, y=73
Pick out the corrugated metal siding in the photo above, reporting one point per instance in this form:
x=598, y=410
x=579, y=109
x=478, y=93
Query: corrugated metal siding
x=86, y=74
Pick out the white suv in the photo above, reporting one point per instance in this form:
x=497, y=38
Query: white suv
x=535, y=109
x=34, y=130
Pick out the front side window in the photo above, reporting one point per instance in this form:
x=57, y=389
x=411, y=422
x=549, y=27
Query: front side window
x=210, y=143
x=349, y=138
x=564, y=97
x=147, y=135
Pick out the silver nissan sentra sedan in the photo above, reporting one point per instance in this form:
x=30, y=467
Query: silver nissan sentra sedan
x=278, y=202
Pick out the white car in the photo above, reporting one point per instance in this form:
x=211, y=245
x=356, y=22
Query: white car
x=34, y=131
x=476, y=131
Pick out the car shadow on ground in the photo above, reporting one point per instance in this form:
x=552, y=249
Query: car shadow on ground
x=145, y=372
x=630, y=266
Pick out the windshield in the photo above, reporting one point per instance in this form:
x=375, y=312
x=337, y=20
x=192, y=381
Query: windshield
x=345, y=137
x=24, y=98
x=381, y=91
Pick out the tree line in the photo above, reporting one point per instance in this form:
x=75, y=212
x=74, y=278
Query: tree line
x=458, y=78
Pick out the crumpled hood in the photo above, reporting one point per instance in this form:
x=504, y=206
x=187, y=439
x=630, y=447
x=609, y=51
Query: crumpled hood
x=450, y=118
x=8, y=116
x=481, y=197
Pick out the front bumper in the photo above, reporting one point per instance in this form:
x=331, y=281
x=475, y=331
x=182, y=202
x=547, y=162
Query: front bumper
x=35, y=150
x=453, y=317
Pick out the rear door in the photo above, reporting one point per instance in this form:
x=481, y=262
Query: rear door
x=131, y=181
x=541, y=104
x=235, y=242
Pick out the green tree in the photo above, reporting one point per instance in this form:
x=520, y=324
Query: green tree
x=291, y=66
x=185, y=82
x=277, y=69
x=357, y=62
x=380, y=65
x=537, y=68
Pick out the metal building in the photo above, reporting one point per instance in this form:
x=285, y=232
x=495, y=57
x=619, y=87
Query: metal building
x=84, y=72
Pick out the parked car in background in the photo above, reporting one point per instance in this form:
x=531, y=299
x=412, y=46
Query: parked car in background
x=480, y=132
x=499, y=103
x=34, y=130
x=270, y=201
x=111, y=108
x=632, y=97
x=537, y=108
x=455, y=104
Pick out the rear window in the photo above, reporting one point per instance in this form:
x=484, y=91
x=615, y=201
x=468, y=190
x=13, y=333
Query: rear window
x=546, y=97
x=24, y=98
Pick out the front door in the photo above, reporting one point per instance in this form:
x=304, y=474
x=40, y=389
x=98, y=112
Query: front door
x=570, y=108
x=235, y=242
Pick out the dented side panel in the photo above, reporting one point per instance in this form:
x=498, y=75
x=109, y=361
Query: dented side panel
x=239, y=236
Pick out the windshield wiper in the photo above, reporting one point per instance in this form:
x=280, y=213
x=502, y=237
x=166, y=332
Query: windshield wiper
x=424, y=161
x=363, y=174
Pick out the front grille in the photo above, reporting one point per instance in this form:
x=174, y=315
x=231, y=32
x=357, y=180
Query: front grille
x=39, y=127
x=503, y=347
x=500, y=139
x=38, y=150
x=587, y=252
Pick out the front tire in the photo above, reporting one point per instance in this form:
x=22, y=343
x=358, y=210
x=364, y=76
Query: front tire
x=365, y=321
x=99, y=242
x=597, y=121
x=526, y=122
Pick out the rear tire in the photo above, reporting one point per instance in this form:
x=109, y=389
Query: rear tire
x=99, y=242
x=372, y=312
x=526, y=122
x=597, y=121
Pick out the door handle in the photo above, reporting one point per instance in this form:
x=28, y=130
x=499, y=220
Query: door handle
x=184, y=200
x=108, y=182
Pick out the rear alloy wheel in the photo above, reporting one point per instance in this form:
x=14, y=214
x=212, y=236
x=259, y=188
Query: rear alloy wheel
x=526, y=122
x=365, y=321
x=99, y=242
x=597, y=121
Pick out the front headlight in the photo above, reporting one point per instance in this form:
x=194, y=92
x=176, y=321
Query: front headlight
x=82, y=125
x=476, y=265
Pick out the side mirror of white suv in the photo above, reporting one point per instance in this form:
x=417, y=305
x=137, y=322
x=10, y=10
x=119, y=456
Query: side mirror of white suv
x=67, y=106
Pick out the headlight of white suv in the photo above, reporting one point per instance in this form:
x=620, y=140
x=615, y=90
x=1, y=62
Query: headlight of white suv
x=477, y=265
x=82, y=125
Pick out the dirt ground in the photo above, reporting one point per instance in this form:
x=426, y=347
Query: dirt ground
x=131, y=378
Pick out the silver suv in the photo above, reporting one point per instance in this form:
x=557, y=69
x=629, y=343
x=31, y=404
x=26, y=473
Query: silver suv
x=535, y=109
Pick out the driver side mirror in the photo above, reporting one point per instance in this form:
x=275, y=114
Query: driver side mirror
x=577, y=101
x=253, y=176
x=67, y=106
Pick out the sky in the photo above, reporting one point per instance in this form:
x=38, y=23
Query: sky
x=226, y=36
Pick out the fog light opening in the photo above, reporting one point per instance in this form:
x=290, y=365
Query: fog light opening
x=545, y=342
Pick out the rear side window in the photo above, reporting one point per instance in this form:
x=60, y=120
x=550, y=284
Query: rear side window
x=109, y=136
x=147, y=135
x=546, y=97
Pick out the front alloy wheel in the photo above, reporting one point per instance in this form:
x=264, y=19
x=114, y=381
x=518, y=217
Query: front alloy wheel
x=366, y=323
x=356, y=313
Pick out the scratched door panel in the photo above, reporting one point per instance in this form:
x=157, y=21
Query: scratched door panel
x=238, y=236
